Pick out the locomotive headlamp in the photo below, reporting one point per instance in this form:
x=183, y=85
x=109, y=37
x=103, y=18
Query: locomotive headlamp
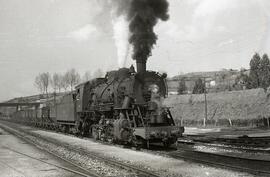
x=154, y=88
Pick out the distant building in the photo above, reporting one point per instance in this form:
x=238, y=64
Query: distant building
x=215, y=81
x=212, y=83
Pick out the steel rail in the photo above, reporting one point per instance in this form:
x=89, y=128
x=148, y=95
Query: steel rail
x=137, y=170
x=226, y=146
x=213, y=159
x=193, y=156
x=43, y=161
x=85, y=173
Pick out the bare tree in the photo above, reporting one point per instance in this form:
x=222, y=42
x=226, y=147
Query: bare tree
x=56, y=82
x=72, y=78
x=45, y=78
x=64, y=81
x=87, y=76
x=98, y=73
x=38, y=83
x=42, y=82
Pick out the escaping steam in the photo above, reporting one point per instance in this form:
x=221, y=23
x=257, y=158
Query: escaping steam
x=133, y=24
x=121, y=35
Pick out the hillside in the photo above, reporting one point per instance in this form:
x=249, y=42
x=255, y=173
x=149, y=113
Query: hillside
x=234, y=105
x=216, y=81
x=209, y=74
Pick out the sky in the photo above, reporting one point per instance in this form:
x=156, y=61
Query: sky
x=55, y=35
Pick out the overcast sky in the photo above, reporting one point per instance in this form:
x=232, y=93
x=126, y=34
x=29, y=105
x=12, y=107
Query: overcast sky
x=56, y=35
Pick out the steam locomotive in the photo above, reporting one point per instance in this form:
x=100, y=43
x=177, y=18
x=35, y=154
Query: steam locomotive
x=125, y=107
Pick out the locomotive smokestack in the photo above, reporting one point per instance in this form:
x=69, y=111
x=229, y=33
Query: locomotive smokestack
x=141, y=66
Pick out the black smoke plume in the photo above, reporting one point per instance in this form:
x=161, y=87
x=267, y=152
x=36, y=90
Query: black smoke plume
x=143, y=16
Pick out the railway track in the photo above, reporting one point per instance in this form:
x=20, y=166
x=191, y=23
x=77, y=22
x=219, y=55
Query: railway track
x=78, y=170
x=242, y=141
x=138, y=171
x=253, y=166
x=241, y=147
x=250, y=165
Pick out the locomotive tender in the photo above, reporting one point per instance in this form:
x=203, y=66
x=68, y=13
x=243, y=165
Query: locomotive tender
x=125, y=106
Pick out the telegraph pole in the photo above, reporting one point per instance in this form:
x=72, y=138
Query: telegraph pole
x=55, y=106
x=205, y=104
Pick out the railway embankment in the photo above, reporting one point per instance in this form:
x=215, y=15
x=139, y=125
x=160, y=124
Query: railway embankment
x=98, y=156
x=235, y=108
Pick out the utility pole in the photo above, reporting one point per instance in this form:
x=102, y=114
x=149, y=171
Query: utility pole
x=55, y=106
x=205, y=104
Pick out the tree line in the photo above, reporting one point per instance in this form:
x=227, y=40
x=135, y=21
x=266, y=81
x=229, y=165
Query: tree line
x=199, y=86
x=258, y=76
x=63, y=81
x=259, y=73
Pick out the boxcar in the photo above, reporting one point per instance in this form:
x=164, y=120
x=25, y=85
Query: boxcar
x=65, y=113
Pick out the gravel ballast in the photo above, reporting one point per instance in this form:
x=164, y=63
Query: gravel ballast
x=164, y=166
x=92, y=164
